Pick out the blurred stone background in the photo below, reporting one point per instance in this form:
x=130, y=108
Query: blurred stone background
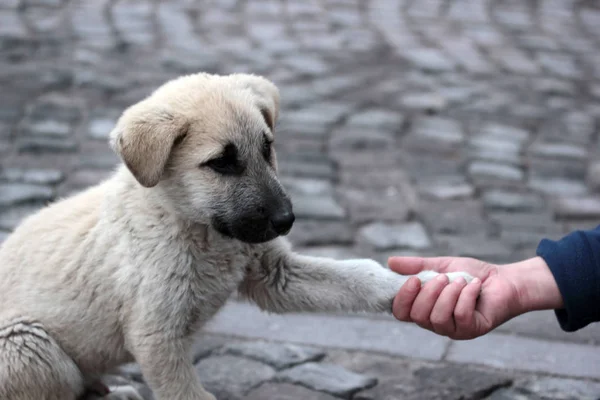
x=454, y=127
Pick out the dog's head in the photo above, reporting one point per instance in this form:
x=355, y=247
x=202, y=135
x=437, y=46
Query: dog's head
x=205, y=142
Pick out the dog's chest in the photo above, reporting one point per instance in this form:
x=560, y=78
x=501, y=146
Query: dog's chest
x=208, y=279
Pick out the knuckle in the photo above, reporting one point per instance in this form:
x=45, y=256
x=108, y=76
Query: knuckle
x=417, y=316
x=438, y=320
x=461, y=316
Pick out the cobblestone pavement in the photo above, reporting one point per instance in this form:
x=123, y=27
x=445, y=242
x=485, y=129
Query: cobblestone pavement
x=408, y=127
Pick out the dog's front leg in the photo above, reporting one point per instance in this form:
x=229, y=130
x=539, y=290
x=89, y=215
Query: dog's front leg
x=168, y=369
x=282, y=281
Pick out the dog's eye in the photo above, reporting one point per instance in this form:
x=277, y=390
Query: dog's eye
x=227, y=163
x=267, y=150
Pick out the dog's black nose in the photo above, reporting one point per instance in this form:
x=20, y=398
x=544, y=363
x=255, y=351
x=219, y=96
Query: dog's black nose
x=282, y=221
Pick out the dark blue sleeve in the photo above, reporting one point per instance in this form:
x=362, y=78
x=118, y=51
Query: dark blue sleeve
x=575, y=263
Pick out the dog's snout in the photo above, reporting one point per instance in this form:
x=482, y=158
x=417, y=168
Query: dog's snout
x=282, y=221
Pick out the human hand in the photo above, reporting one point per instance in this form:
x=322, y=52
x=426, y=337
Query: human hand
x=466, y=311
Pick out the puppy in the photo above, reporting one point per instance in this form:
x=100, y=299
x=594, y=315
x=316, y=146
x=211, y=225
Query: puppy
x=130, y=269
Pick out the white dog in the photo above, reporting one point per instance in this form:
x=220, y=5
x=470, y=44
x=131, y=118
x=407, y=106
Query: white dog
x=131, y=268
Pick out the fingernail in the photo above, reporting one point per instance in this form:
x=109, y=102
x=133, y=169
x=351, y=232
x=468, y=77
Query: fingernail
x=476, y=280
x=441, y=278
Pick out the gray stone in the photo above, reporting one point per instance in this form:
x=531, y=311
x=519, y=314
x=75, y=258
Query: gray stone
x=317, y=207
x=277, y=355
x=327, y=378
x=513, y=394
x=55, y=108
x=446, y=188
x=320, y=114
x=595, y=90
x=537, y=42
x=483, y=171
x=453, y=382
x=376, y=119
x=514, y=18
x=430, y=60
x=100, y=127
x=457, y=94
x=527, y=112
x=83, y=179
x=514, y=60
x=543, y=324
x=462, y=216
x=494, y=149
x=373, y=176
x=230, y=378
x=522, y=239
x=512, y=201
x=428, y=102
x=306, y=64
x=306, y=168
x=312, y=232
x=553, y=86
x=542, y=167
x=593, y=176
x=441, y=131
x=35, y=176
x=562, y=65
x=562, y=389
x=11, y=217
x=360, y=139
x=474, y=246
x=558, y=186
x=534, y=222
x=17, y=193
x=559, y=150
x=376, y=204
x=580, y=126
x=306, y=186
x=330, y=85
x=527, y=354
x=383, y=236
x=103, y=160
x=286, y=391
x=340, y=331
x=205, y=345
x=49, y=128
x=505, y=132
x=468, y=55
x=577, y=207
x=470, y=11
x=46, y=144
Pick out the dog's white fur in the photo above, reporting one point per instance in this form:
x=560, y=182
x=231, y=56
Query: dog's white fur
x=126, y=270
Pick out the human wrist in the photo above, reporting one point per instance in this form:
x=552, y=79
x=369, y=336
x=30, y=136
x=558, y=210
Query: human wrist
x=535, y=285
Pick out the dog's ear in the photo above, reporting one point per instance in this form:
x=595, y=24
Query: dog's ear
x=266, y=96
x=144, y=137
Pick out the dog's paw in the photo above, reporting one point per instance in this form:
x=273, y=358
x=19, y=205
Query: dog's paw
x=123, y=393
x=427, y=276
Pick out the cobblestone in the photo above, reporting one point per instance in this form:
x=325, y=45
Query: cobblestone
x=512, y=201
x=387, y=237
x=18, y=193
x=230, y=378
x=430, y=60
x=435, y=127
x=278, y=356
x=327, y=378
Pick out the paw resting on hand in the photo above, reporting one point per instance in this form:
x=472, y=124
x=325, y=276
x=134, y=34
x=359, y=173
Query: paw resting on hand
x=426, y=276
